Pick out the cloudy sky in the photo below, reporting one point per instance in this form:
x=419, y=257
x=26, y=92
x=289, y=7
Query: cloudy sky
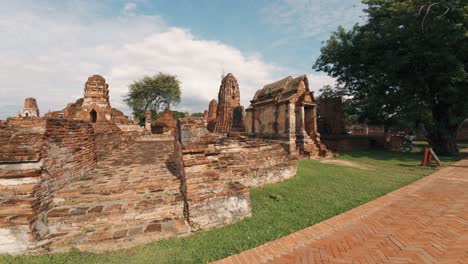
x=49, y=48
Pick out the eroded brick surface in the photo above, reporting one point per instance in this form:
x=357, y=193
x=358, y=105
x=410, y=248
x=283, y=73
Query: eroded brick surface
x=217, y=169
x=132, y=196
x=229, y=114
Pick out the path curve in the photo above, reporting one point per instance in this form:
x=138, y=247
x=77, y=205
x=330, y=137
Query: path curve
x=424, y=222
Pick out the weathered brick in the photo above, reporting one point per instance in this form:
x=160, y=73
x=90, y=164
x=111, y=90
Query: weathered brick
x=153, y=228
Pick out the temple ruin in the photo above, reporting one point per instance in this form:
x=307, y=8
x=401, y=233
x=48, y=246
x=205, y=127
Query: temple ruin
x=331, y=120
x=94, y=107
x=229, y=114
x=286, y=111
x=166, y=124
x=30, y=108
x=212, y=109
x=336, y=138
x=82, y=177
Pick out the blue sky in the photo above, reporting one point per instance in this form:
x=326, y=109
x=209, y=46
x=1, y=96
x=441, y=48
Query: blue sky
x=49, y=48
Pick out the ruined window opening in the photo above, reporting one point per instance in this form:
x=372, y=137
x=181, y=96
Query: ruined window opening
x=93, y=116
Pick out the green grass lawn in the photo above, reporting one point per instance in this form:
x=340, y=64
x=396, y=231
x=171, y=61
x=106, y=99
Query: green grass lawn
x=318, y=192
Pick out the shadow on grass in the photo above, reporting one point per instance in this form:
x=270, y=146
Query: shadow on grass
x=398, y=155
x=407, y=165
x=382, y=154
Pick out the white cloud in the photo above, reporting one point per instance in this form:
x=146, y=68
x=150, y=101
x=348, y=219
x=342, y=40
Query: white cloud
x=319, y=80
x=311, y=18
x=129, y=7
x=48, y=53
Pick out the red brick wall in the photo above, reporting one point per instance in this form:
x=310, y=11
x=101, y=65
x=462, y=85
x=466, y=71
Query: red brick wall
x=331, y=116
x=38, y=157
x=69, y=153
x=216, y=171
x=349, y=143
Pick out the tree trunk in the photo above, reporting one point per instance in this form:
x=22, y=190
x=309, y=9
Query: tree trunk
x=443, y=134
x=445, y=146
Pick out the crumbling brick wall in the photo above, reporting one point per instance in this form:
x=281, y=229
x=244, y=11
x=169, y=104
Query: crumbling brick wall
x=340, y=143
x=216, y=171
x=38, y=157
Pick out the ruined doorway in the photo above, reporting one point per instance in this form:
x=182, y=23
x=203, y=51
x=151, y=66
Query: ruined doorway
x=309, y=119
x=93, y=116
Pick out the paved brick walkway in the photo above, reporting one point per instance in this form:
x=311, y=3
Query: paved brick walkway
x=424, y=222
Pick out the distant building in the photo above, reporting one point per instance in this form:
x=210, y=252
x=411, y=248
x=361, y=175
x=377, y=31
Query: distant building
x=94, y=107
x=287, y=111
x=30, y=108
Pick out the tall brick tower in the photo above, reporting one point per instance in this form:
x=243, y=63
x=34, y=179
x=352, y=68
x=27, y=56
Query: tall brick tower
x=30, y=108
x=213, y=107
x=96, y=92
x=228, y=100
x=96, y=99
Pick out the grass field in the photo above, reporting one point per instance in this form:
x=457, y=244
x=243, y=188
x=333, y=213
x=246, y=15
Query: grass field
x=318, y=192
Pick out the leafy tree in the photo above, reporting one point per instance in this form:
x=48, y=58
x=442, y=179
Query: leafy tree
x=197, y=115
x=177, y=114
x=153, y=93
x=408, y=60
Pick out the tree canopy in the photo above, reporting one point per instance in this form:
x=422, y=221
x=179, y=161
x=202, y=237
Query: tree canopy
x=408, y=61
x=154, y=94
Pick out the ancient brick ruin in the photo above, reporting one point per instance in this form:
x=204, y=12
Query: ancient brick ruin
x=367, y=130
x=216, y=170
x=166, y=124
x=79, y=178
x=229, y=114
x=212, y=109
x=334, y=136
x=37, y=158
x=94, y=107
x=286, y=111
x=331, y=121
x=30, y=108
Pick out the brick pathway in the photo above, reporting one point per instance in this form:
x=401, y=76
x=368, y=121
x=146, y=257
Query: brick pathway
x=424, y=222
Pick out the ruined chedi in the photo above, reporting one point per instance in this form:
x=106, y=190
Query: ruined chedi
x=229, y=114
x=213, y=107
x=94, y=107
x=96, y=98
x=30, y=108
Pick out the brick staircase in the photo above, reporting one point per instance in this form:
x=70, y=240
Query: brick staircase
x=316, y=149
x=133, y=195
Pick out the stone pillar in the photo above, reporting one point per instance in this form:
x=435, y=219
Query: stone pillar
x=148, y=121
x=291, y=127
x=300, y=126
x=290, y=119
